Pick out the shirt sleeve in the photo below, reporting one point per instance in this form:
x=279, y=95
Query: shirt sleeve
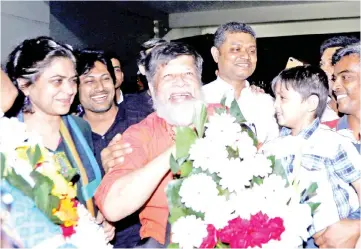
x=347, y=162
x=138, y=137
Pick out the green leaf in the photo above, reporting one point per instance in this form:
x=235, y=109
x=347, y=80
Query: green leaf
x=2, y=164
x=279, y=170
x=54, y=203
x=236, y=112
x=257, y=180
x=223, y=100
x=175, y=214
x=200, y=120
x=251, y=134
x=311, y=190
x=33, y=156
x=41, y=192
x=223, y=192
x=313, y=206
x=192, y=212
x=219, y=111
x=172, y=192
x=18, y=182
x=221, y=245
x=232, y=153
x=174, y=166
x=173, y=245
x=186, y=168
x=185, y=137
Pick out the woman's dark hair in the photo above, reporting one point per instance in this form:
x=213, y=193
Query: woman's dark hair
x=86, y=59
x=30, y=57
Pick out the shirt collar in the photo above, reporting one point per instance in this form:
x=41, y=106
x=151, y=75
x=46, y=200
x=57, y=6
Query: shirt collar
x=305, y=133
x=121, y=98
x=226, y=86
x=342, y=123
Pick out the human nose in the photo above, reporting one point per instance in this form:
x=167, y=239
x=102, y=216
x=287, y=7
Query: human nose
x=70, y=88
x=99, y=86
x=244, y=54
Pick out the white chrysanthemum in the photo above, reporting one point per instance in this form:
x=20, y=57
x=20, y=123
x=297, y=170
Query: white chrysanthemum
x=244, y=144
x=222, y=129
x=87, y=228
x=189, y=231
x=219, y=212
x=259, y=110
x=246, y=203
x=259, y=164
x=207, y=155
x=12, y=134
x=20, y=166
x=198, y=192
x=273, y=189
x=235, y=175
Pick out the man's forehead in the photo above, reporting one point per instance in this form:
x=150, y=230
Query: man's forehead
x=240, y=37
x=182, y=61
x=350, y=63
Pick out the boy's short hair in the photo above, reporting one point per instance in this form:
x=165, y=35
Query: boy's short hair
x=307, y=81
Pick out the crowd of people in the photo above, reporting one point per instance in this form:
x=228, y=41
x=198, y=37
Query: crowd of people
x=121, y=144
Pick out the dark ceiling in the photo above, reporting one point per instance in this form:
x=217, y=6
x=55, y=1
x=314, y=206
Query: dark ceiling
x=191, y=6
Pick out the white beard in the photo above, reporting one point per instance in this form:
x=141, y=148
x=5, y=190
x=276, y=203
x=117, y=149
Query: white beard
x=179, y=114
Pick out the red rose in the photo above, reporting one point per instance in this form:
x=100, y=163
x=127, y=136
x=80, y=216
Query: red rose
x=67, y=231
x=211, y=240
x=242, y=233
x=277, y=228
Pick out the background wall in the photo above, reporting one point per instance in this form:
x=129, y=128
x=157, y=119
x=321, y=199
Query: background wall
x=102, y=25
x=21, y=20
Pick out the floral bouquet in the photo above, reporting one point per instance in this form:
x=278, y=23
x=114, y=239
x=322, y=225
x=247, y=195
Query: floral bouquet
x=227, y=194
x=40, y=183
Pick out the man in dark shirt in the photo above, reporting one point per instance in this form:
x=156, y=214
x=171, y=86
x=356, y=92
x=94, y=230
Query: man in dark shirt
x=107, y=119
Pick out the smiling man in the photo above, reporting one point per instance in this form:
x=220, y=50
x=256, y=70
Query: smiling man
x=107, y=119
x=235, y=52
x=173, y=71
x=346, y=62
x=346, y=87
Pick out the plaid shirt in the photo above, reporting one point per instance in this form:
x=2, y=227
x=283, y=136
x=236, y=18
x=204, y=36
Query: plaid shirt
x=327, y=149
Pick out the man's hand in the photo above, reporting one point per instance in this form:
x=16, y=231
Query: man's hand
x=109, y=229
x=114, y=153
x=256, y=89
x=343, y=234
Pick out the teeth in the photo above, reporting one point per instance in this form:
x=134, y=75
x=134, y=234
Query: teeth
x=341, y=96
x=180, y=94
x=99, y=97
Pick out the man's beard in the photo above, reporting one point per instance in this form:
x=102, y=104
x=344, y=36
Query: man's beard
x=177, y=114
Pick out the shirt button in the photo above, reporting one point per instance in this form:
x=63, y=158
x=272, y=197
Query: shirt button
x=103, y=137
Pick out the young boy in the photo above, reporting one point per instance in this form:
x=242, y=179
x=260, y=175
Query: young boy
x=311, y=152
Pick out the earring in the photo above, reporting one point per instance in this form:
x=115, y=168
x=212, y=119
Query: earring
x=27, y=105
x=79, y=109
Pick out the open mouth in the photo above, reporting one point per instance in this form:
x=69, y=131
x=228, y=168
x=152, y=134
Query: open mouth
x=99, y=98
x=179, y=97
x=341, y=96
x=243, y=65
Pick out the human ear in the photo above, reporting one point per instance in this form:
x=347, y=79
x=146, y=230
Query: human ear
x=23, y=85
x=215, y=53
x=141, y=69
x=312, y=103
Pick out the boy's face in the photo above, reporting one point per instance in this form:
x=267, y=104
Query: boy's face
x=290, y=108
